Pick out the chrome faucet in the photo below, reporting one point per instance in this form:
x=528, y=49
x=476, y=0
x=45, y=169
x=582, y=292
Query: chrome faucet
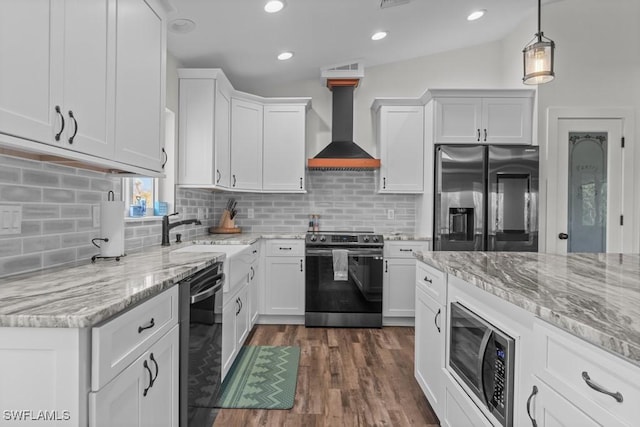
x=166, y=226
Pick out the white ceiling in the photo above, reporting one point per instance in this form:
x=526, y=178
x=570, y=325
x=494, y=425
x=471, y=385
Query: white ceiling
x=243, y=40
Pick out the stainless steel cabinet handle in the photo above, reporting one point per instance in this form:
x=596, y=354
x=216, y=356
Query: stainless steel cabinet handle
x=597, y=387
x=75, y=129
x=218, y=176
x=435, y=319
x=62, y=125
x=146, y=390
x=533, y=393
x=148, y=326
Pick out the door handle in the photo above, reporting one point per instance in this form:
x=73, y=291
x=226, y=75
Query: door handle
x=563, y=236
x=534, y=423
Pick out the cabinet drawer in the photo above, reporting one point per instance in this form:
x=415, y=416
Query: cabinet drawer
x=432, y=280
x=563, y=360
x=285, y=248
x=120, y=341
x=404, y=249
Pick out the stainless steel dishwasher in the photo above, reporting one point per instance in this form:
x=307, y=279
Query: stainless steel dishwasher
x=200, y=345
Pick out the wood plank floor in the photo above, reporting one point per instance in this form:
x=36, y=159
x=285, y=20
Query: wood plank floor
x=347, y=377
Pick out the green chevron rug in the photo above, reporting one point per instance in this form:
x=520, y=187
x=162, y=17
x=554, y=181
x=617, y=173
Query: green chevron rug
x=262, y=377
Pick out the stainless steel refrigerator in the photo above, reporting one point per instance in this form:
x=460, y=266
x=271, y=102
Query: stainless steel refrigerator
x=486, y=198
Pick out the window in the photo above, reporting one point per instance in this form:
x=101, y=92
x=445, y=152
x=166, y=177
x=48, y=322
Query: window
x=140, y=194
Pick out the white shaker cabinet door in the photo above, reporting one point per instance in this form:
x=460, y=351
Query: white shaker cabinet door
x=29, y=77
x=399, y=283
x=246, y=145
x=140, y=84
x=458, y=120
x=550, y=409
x=284, y=148
x=284, y=287
x=401, y=134
x=507, y=120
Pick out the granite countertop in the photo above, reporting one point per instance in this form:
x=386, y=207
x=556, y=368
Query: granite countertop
x=593, y=296
x=85, y=294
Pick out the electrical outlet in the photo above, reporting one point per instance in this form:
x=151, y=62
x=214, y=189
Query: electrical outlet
x=96, y=216
x=390, y=214
x=250, y=213
x=10, y=219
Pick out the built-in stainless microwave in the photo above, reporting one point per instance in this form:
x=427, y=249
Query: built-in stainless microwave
x=482, y=356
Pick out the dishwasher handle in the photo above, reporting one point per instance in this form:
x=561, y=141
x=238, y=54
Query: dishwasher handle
x=207, y=292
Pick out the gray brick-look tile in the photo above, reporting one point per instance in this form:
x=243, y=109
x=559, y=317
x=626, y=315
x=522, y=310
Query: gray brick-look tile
x=10, y=247
x=75, y=182
x=69, y=240
x=76, y=211
x=21, y=163
x=58, y=226
x=62, y=256
x=90, y=197
x=40, y=178
x=10, y=175
x=20, y=264
x=55, y=195
x=40, y=243
x=38, y=211
x=17, y=193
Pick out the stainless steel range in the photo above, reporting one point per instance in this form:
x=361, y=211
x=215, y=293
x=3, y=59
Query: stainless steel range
x=343, y=281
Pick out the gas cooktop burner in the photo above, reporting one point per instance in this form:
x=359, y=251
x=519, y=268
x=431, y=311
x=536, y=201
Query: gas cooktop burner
x=344, y=238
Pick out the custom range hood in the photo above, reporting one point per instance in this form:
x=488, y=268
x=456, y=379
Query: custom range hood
x=342, y=153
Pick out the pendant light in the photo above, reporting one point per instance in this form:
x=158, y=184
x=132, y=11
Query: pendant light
x=538, y=58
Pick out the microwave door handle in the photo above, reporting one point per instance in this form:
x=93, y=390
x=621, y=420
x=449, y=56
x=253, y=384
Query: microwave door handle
x=486, y=339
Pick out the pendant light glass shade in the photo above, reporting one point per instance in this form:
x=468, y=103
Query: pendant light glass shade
x=538, y=62
x=538, y=58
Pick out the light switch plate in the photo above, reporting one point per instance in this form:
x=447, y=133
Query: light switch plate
x=10, y=219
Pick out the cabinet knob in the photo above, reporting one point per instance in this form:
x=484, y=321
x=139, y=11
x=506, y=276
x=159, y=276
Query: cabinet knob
x=563, y=236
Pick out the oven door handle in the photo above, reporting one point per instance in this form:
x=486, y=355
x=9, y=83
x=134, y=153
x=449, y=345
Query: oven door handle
x=486, y=339
x=208, y=292
x=350, y=252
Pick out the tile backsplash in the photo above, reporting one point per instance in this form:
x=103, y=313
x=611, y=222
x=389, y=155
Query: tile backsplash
x=345, y=200
x=57, y=223
x=57, y=203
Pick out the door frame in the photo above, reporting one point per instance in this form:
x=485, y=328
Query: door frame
x=630, y=175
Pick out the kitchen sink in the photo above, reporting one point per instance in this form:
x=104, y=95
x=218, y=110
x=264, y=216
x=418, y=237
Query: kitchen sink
x=235, y=266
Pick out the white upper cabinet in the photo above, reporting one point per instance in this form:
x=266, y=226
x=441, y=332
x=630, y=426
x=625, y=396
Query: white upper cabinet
x=140, y=84
x=483, y=117
x=284, y=148
x=55, y=88
x=401, y=142
x=86, y=76
x=246, y=144
x=204, y=130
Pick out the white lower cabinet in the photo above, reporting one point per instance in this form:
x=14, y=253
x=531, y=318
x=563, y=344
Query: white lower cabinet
x=145, y=393
x=254, y=285
x=398, y=282
x=235, y=325
x=429, y=347
x=284, y=277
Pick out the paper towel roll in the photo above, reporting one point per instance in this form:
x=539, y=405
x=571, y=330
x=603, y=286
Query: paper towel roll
x=112, y=228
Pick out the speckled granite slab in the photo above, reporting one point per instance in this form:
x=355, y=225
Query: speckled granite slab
x=84, y=295
x=593, y=296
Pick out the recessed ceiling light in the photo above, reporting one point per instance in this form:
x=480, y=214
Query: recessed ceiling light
x=476, y=15
x=182, y=26
x=379, y=35
x=273, y=6
x=285, y=55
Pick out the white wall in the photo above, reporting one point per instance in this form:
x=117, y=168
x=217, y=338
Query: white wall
x=476, y=67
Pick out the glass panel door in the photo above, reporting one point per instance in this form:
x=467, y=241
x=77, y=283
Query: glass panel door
x=587, y=213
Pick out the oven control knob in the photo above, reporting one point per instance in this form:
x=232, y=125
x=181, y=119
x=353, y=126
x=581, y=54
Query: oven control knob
x=375, y=239
x=313, y=238
x=322, y=238
x=366, y=239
